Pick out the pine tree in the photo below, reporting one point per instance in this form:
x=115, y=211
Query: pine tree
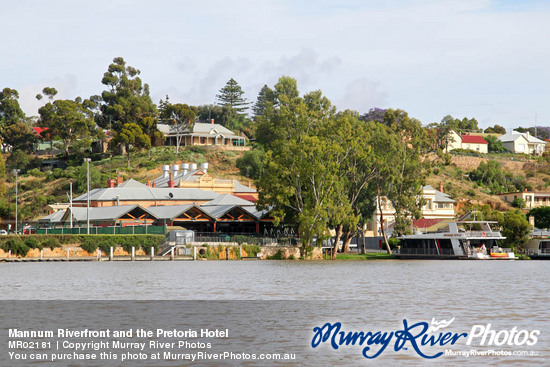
x=265, y=96
x=232, y=95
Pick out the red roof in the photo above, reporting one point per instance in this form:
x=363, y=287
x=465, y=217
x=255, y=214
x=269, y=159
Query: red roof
x=425, y=223
x=473, y=139
x=38, y=130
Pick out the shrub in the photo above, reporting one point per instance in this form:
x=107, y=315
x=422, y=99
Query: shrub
x=252, y=250
x=250, y=163
x=89, y=245
x=33, y=243
x=16, y=246
x=277, y=256
x=52, y=243
x=235, y=250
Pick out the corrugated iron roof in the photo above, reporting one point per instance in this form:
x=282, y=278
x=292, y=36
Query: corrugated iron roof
x=148, y=193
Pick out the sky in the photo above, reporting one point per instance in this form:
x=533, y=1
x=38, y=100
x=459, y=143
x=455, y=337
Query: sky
x=483, y=59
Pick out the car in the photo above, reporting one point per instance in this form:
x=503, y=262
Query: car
x=3, y=232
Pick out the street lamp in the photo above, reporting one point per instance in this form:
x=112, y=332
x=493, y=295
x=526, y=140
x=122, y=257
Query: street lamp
x=87, y=160
x=15, y=172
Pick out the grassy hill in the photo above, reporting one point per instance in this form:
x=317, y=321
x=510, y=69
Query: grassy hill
x=37, y=189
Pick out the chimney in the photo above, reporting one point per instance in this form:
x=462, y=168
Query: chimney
x=171, y=183
x=250, y=183
x=204, y=167
x=165, y=170
x=212, y=121
x=148, y=183
x=154, y=183
x=110, y=183
x=193, y=166
x=175, y=169
x=185, y=168
x=441, y=186
x=119, y=180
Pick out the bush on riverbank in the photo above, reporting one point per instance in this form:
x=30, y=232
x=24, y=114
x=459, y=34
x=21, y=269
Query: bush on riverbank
x=16, y=246
x=89, y=243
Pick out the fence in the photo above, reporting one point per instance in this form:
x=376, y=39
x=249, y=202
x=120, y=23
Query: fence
x=105, y=230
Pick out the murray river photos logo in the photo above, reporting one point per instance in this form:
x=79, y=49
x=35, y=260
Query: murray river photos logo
x=419, y=337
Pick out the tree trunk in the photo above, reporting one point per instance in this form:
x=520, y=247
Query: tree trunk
x=128, y=158
x=382, y=220
x=347, y=240
x=363, y=245
x=336, y=241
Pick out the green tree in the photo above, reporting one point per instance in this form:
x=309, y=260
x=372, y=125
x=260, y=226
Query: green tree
x=300, y=173
x=67, y=121
x=96, y=179
x=266, y=97
x=181, y=117
x=403, y=168
x=131, y=137
x=127, y=100
x=542, y=216
x=515, y=228
x=2, y=167
x=250, y=164
x=497, y=129
x=19, y=136
x=494, y=144
x=10, y=111
x=232, y=95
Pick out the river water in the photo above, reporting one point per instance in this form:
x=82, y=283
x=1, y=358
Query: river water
x=284, y=300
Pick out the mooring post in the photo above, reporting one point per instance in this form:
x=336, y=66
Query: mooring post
x=194, y=253
x=172, y=254
x=111, y=253
x=133, y=253
x=9, y=255
x=240, y=251
x=98, y=254
x=41, y=254
x=152, y=253
x=227, y=253
x=68, y=254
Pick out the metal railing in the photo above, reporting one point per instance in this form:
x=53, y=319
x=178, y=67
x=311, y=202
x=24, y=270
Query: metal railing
x=426, y=251
x=104, y=230
x=490, y=234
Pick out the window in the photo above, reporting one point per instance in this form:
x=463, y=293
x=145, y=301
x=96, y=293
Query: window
x=203, y=140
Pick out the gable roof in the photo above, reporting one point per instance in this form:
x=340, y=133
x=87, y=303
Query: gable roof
x=132, y=183
x=473, y=139
x=148, y=193
x=514, y=135
x=106, y=213
x=226, y=199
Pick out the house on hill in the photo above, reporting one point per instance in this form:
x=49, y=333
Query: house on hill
x=467, y=141
x=203, y=134
x=438, y=206
x=525, y=143
x=475, y=142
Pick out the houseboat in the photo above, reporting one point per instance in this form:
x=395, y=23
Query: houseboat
x=473, y=240
x=538, y=247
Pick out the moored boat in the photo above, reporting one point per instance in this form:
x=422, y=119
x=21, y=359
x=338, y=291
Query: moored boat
x=474, y=240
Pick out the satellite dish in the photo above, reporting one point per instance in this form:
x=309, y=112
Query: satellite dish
x=170, y=195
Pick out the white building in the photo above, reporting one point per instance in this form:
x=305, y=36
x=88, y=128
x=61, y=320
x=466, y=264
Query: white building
x=517, y=142
x=438, y=205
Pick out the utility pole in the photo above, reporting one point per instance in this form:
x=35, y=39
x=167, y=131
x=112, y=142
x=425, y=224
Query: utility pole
x=16, y=172
x=71, y=202
x=87, y=195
